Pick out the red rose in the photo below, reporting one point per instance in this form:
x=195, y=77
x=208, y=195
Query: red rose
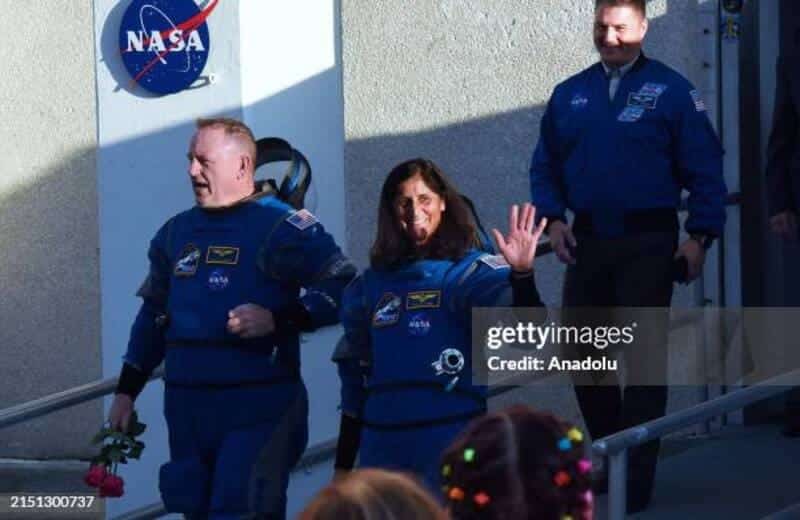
x=94, y=477
x=111, y=486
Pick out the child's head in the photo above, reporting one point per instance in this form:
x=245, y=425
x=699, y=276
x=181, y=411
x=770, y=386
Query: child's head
x=518, y=463
x=373, y=494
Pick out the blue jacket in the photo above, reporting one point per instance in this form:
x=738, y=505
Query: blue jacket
x=203, y=263
x=407, y=358
x=635, y=152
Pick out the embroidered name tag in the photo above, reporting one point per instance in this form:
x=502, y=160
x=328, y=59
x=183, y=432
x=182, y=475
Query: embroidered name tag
x=655, y=89
x=423, y=300
x=637, y=99
x=222, y=255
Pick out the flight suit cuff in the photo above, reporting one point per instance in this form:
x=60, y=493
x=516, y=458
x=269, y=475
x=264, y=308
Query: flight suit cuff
x=523, y=289
x=131, y=381
x=292, y=319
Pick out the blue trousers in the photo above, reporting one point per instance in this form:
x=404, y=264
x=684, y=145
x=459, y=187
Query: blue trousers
x=417, y=451
x=232, y=449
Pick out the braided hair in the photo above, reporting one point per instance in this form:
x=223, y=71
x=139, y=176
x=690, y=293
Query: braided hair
x=518, y=463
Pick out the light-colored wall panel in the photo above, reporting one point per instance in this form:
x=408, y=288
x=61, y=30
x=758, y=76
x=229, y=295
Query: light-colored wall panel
x=49, y=300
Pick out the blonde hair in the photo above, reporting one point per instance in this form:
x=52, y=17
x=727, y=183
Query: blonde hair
x=373, y=494
x=233, y=128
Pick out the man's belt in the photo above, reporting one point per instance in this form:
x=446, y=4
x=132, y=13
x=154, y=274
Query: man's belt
x=616, y=223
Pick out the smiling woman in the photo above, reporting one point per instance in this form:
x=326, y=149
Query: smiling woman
x=406, y=362
x=419, y=210
x=421, y=215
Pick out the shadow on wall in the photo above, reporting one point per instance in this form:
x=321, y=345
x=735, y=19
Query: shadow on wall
x=49, y=308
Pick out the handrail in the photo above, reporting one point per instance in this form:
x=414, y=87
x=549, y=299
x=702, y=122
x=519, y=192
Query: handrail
x=60, y=400
x=616, y=446
x=698, y=413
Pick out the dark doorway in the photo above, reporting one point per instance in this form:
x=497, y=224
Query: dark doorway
x=790, y=27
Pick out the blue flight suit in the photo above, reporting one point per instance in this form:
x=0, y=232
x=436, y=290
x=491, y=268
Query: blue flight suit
x=637, y=152
x=236, y=408
x=406, y=362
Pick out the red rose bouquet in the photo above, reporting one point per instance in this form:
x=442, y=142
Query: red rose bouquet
x=117, y=448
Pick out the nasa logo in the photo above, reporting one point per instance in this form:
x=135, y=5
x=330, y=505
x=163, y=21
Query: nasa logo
x=217, y=280
x=419, y=324
x=164, y=43
x=579, y=101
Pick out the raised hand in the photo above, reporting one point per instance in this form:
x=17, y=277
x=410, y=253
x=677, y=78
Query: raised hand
x=518, y=247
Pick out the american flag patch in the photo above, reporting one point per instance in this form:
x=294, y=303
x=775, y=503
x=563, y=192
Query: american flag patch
x=302, y=219
x=494, y=261
x=699, y=104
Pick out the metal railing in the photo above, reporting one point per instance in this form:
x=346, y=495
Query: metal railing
x=319, y=452
x=616, y=446
x=61, y=400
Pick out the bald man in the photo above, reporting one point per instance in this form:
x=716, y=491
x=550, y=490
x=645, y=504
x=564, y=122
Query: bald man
x=222, y=309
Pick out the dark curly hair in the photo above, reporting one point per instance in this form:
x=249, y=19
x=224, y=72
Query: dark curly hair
x=518, y=463
x=456, y=235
